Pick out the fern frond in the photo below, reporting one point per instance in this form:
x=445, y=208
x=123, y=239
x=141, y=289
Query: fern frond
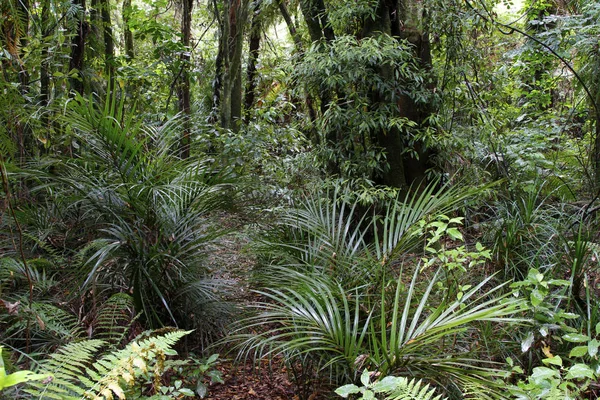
x=118, y=371
x=412, y=390
x=66, y=366
x=113, y=375
x=115, y=318
x=58, y=321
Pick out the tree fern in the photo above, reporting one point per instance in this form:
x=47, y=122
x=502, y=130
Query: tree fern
x=113, y=375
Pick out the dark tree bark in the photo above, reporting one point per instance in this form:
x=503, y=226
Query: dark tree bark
x=128, y=35
x=309, y=101
x=401, y=19
x=78, y=49
x=184, y=85
x=229, y=72
x=317, y=20
x=44, y=98
x=253, y=49
x=109, y=46
x=23, y=10
x=290, y=25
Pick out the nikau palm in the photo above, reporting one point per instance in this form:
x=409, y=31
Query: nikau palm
x=147, y=210
x=337, y=303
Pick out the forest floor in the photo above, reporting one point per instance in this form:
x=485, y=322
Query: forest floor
x=251, y=382
x=263, y=380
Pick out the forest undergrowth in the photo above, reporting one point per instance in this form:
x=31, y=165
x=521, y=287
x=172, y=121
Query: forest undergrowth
x=299, y=199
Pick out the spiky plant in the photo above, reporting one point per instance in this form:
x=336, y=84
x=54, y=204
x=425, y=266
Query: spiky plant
x=340, y=303
x=144, y=212
x=526, y=229
x=345, y=330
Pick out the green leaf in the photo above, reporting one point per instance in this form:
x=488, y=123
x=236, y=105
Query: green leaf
x=556, y=360
x=201, y=390
x=593, y=347
x=368, y=395
x=527, y=342
x=536, y=297
x=18, y=377
x=578, y=351
x=454, y=234
x=212, y=359
x=580, y=371
x=365, y=378
x=541, y=374
x=346, y=390
x=387, y=384
x=215, y=376
x=186, y=392
x=576, y=338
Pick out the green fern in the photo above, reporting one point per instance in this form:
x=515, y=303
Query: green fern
x=394, y=388
x=114, y=375
x=67, y=367
x=114, y=318
x=412, y=390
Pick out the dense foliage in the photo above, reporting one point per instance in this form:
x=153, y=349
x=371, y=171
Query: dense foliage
x=394, y=199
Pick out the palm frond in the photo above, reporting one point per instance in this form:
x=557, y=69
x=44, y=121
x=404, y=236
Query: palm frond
x=393, y=235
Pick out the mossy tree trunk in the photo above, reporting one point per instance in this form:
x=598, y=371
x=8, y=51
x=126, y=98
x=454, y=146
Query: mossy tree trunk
x=229, y=63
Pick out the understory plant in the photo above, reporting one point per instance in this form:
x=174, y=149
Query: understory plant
x=394, y=388
x=144, y=211
x=339, y=303
x=82, y=370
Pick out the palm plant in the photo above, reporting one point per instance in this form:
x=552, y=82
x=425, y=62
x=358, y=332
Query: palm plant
x=146, y=212
x=329, y=234
x=332, y=301
x=343, y=331
x=526, y=232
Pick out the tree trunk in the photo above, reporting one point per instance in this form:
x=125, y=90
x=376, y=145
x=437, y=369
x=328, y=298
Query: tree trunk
x=317, y=22
x=253, y=48
x=128, y=35
x=290, y=25
x=231, y=43
x=403, y=19
x=184, y=85
x=78, y=49
x=109, y=46
x=23, y=10
x=309, y=101
x=44, y=98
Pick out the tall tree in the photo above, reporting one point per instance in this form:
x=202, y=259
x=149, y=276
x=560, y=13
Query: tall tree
x=389, y=102
x=184, y=84
x=127, y=33
x=253, y=49
x=78, y=43
x=232, y=22
x=109, y=45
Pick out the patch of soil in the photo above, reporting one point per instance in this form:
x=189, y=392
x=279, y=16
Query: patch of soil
x=252, y=382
